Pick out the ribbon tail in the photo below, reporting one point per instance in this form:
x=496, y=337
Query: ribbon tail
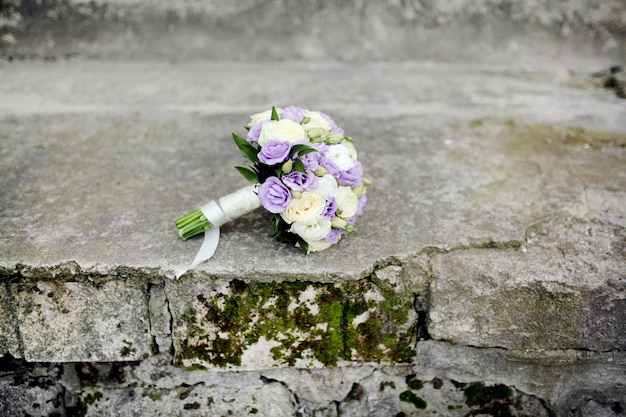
x=209, y=245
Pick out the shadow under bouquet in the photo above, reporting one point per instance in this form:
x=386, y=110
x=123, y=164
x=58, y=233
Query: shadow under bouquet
x=304, y=172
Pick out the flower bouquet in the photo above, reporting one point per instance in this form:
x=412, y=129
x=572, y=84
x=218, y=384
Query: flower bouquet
x=304, y=172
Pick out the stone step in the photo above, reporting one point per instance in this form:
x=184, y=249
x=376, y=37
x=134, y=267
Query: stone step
x=495, y=226
x=337, y=30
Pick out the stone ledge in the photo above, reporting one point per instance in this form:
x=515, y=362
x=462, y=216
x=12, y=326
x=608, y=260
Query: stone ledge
x=586, y=380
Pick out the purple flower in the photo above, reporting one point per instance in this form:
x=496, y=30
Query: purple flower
x=254, y=132
x=310, y=160
x=333, y=126
x=334, y=235
x=299, y=181
x=274, y=195
x=351, y=177
x=330, y=166
x=274, y=152
x=362, y=201
x=293, y=113
x=330, y=209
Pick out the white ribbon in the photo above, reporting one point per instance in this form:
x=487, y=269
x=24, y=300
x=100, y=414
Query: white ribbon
x=227, y=208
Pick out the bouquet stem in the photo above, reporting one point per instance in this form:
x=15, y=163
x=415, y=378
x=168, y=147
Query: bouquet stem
x=192, y=224
x=225, y=209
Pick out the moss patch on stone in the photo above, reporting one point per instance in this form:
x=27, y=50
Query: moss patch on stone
x=409, y=397
x=493, y=400
x=306, y=323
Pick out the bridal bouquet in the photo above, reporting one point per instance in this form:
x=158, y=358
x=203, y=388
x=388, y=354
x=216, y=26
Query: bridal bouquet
x=304, y=172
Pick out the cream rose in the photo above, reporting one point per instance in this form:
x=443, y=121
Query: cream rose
x=318, y=245
x=312, y=231
x=305, y=209
x=283, y=131
x=347, y=202
x=263, y=116
x=316, y=120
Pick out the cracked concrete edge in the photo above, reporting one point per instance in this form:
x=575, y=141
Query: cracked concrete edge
x=413, y=273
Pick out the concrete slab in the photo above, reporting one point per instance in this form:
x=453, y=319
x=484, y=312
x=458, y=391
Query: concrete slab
x=99, y=158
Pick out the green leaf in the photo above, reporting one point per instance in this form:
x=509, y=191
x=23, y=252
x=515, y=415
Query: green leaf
x=274, y=114
x=248, y=174
x=299, y=166
x=303, y=245
x=246, y=148
x=302, y=149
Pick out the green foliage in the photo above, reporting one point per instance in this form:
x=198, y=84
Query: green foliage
x=274, y=114
x=249, y=174
x=247, y=149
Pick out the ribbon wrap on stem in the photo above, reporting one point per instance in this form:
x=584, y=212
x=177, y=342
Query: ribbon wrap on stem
x=220, y=212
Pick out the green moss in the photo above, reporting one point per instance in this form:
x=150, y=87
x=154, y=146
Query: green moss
x=493, y=400
x=437, y=383
x=90, y=399
x=413, y=383
x=322, y=326
x=409, y=397
x=128, y=349
x=479, y=394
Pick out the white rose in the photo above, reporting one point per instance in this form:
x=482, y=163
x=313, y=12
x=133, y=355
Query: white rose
x=326, y=186
x=347, y=202
x=312, y=231
x=316, y=120
x=263, y=116
x=340, y=155
x=318, y=245
x=304, y=209
x=283, y=130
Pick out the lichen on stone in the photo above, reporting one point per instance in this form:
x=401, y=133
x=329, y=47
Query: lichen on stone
x=302, y=324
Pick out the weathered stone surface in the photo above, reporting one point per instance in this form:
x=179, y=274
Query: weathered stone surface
x=30, y=389
x=498, y=209
x=75, y=321
x=9, y=340
x=277, y=30
x=565, y=380
x=563, y=289
x=130, y=168
x=155, y=387
x=256, y=325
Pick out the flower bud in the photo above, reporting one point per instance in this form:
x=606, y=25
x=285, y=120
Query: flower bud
x=320, y=171
x=296, y=194
x=287, y=166
x=367, y=181
x=317, y=134
x=358, y=191
x=338, y=223
x=334, y=139
x=350, y=229
x=305, y=120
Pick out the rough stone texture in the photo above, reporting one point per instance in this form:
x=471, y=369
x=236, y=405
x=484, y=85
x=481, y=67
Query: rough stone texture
x=487, y=273
x=72, y=321
x=252, y=326
x=462, y=30
x=154, y=387
x=570, y=382
x=565, y=288
x=9, y=339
